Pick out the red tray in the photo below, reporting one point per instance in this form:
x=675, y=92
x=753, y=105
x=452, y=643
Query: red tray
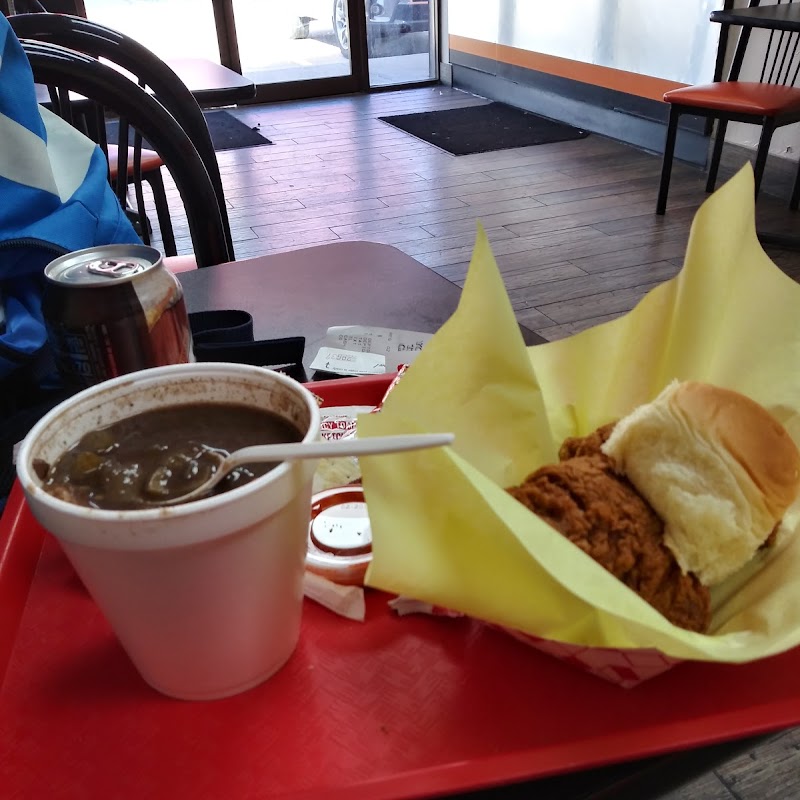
x=393, y=707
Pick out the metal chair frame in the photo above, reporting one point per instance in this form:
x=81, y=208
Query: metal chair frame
x=67, y=71
x=151, y=73
x=781, y=67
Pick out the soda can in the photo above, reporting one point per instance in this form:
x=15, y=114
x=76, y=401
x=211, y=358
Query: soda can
x=112, y=310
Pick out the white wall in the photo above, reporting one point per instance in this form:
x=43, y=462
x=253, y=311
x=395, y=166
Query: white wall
x=670, y=39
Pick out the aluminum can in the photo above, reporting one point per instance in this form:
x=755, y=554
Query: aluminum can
x=112, y=310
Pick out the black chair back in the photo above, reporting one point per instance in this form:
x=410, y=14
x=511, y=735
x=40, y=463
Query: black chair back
x=149, y=70
x=781, y=63
x=77, y=80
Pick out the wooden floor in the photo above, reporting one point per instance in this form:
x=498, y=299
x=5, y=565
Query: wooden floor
x=571, y=224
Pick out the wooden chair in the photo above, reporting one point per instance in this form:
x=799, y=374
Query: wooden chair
x=150, y=72
x=84, y=88
x=771, y=102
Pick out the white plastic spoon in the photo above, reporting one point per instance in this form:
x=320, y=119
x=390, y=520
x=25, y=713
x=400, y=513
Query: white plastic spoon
x=327, y=448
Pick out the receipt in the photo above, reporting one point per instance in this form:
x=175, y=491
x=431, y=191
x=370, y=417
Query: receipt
x=348, y=362
x=398, y=347
x=361, y=350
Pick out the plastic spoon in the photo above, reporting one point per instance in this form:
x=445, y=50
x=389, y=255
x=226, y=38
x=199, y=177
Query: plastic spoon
x=327, y=448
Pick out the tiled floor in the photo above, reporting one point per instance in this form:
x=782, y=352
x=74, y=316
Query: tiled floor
x=571, y=224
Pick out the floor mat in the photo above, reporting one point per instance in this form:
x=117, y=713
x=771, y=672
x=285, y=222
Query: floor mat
x=227, y=132
x=482, y=129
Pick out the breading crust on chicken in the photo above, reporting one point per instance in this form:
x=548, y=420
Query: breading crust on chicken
x=601, y=512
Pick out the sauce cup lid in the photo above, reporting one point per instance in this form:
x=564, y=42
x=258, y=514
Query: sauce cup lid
x=339, y=535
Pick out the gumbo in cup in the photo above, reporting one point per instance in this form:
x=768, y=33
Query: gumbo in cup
x=205, y=597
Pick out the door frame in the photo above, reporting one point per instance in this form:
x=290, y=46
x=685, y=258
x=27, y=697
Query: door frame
x=355, y=83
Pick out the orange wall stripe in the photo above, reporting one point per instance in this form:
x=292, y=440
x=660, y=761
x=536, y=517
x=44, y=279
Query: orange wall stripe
x=607, y=77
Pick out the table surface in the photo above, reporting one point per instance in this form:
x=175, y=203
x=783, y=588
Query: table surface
x=785, y=17
x=304, y=292
x=209, y=82
x=212, y=83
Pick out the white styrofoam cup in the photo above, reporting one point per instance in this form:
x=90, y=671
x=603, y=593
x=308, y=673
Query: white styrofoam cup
x=205, y=597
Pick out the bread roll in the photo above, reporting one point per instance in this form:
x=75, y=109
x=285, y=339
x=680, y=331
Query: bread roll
x=718, y=469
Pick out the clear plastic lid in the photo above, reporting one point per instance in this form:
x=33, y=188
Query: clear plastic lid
x=339, y=535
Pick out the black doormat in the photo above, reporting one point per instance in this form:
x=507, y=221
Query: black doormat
x=227, y=132
x=481, y=129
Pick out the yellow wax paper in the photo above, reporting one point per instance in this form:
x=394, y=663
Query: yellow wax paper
x=445, y=531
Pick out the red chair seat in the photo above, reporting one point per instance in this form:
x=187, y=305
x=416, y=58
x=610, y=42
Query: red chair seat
x=177, y=264
x=150, y=160
x=739, y=97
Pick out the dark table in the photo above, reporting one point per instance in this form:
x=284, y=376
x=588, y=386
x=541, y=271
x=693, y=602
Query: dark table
x=303, y=292
x=784, y=17
x=213, y=84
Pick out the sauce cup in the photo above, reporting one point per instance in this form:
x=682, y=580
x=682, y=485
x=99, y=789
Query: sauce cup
x=205, y=597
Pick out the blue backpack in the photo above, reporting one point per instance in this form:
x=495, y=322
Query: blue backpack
x=54, y=198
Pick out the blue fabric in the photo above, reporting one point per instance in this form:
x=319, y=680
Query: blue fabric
x=54, y=198
x=19, y=104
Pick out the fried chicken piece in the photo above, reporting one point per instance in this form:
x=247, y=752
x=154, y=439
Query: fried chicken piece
x=602, y=513
x=585, y=445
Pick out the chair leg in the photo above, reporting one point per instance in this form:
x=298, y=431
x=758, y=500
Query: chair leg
x=141, y=213
x=763, y=150
x=162, y=210
x=716, y=155
x=666, y=164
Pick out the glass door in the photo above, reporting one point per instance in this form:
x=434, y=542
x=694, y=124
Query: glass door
x=401, y=42
x=361, y=44
x=170, y=28
x=287, y=41
x=290, y=48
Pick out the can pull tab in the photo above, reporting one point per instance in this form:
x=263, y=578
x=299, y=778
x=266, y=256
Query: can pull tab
x=112, y=268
